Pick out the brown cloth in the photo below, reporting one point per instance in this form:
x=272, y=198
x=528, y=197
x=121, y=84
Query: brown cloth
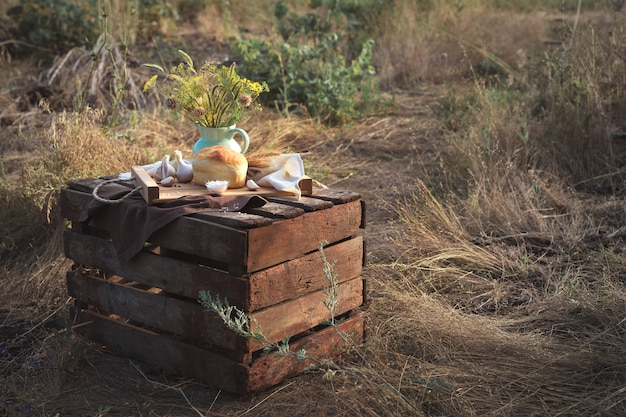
x=131, y=222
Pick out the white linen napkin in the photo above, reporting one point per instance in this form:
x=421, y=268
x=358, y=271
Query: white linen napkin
x=283, y=173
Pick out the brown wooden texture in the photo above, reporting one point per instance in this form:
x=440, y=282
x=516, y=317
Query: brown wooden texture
x=184, y=318
x=179, y=358
x=287, y=239
x=187, y=318
x=260, y=289
x=300, y=314
x=305, y=203
x=170, y=355
x=270, y=244
x=204, y=239
x=171, y=274
x=305, y=274
x=273, y=369
x=238, y=219
x=277, y=211
x=336, y=196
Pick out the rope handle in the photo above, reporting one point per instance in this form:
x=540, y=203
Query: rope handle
x=95, y=195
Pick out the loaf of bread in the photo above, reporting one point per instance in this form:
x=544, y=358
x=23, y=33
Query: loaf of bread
x=219, y=163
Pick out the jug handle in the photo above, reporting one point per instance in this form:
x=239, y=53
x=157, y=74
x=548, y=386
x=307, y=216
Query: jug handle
x=244, y=136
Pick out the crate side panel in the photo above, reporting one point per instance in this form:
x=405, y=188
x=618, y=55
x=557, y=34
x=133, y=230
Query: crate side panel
x=206, y=240
x=305, y=274
x=288, y=239
x=180, y=317
x=171, y=355
x=170, y=274
x=303, y=313
x=72, y=203
x=270, y=370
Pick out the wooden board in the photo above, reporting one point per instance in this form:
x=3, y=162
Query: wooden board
x=270, y=370
x=187, y=319
x=249, y=293
x=183, y=318
x=241, y=243
x=286, y=239
x=172, y=356
x=176, y=357
x=153, y=192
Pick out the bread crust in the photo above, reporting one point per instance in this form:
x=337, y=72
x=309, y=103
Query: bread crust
x=219, y=163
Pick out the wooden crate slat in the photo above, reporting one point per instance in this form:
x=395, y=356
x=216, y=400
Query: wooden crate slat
x=277, y=211
x=305, y=274
x=171, y=355
x=287, y=239
x=179, y=358
x=180, y=317
x=305, y=203
x=234, y=219
x=207, y=240
x=172, y=275
x=273, y=369
x=300, y=314
x=188, y=318
x=336, y=196
x=261, y=289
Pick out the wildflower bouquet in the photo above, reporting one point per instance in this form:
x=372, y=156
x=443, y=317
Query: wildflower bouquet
x=214, y=96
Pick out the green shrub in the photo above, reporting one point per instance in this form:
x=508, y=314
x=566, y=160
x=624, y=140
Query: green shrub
x=53, y=25
x=354, y=22
x=312, y=79
x=320, y=68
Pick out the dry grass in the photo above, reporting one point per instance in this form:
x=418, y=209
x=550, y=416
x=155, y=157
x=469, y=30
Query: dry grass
x=495, y=281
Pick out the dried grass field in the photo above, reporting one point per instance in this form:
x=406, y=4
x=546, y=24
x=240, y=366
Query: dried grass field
x=494, y=183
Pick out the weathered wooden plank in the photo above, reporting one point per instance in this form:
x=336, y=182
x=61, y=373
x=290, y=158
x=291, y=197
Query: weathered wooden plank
x=185, y=318
x=175, y=357
x=270, y=370
x=72, y=203
x=336, y=196
x=261, y=289
x=170, y=355
x=188, y=319
x=277, y=211
x=288, y=239
x=234, y=219
x=298, y=315
x=171, y=274
x=306, y=203
x=305, y=274
x=206, y=240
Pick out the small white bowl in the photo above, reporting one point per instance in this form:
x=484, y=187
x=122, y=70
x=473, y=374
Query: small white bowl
x=216, y=186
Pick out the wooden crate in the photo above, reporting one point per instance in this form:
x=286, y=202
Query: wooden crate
x=264, y=261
